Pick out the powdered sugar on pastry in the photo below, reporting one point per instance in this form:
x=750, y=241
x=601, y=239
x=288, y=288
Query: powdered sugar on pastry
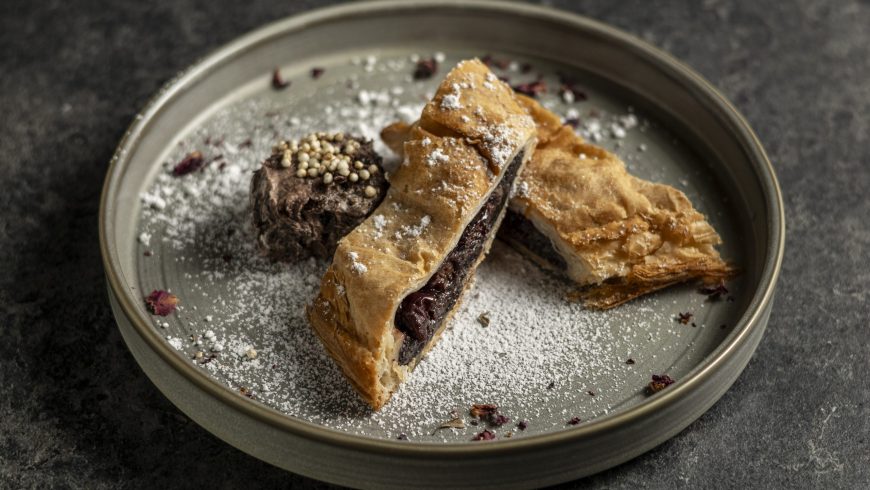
x=451, y=101
x=355, y=264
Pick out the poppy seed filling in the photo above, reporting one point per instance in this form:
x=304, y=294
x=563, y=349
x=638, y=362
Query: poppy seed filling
x=517, y=228
x=422, y=312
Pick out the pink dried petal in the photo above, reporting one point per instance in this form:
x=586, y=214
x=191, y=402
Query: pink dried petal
x=425, y=69
x=278, y=82
x=531, y=89
x=486, y=435
x=658, y=383
x=191, y=163
x=160, y=302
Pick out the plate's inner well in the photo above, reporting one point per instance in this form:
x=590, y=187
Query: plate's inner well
x=541, y=359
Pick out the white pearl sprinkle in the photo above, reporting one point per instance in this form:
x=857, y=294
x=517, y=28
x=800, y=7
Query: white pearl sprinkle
x=327, y=178
x=370, y=191
x=353, y=177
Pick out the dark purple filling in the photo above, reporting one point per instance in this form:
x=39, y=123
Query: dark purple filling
x=423, y=311
x=516, y=228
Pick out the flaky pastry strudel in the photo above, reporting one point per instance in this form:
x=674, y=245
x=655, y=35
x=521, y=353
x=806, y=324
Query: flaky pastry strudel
x=578, y=211
x=396, y=279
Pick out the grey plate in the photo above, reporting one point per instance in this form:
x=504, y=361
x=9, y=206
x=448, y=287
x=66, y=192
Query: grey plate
x=304, y=418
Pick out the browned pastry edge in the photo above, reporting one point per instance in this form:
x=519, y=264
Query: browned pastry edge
x=641, y=282
x=642, y=278
x=354, y=313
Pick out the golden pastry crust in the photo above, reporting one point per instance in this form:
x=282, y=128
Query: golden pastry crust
x=621, y=236
x=609, y=225
x=453, y=159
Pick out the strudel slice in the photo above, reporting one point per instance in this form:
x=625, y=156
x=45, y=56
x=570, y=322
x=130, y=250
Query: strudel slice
x=578, y=211
x=396, y=279
x=621, y=235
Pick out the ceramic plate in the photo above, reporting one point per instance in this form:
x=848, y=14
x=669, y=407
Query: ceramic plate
x=238, y=356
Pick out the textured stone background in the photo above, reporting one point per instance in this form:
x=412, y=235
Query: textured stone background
x=76, y=411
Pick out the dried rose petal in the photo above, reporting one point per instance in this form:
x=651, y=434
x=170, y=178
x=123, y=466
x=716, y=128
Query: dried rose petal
x=481, y=410
x=488, y=60
x=522, y=425
x=531, y=89
x=684, y=318
x=160, y=302
x=629, y=361
x=576, y=95
x=425, y=69
x=574, y=421
x=278, y=83
x=316, y=72
x=714, y=292
x=573, y=122
x=568, y=83
x=658, y=383
x=191, y=163
x=498, y=420
x=402, y=437
x=486, y=435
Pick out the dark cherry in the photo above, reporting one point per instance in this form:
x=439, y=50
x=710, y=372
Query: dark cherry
x=416, y=314
x=421, y=312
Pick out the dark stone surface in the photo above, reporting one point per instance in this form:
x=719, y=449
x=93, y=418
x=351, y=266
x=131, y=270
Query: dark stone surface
x=76, y=411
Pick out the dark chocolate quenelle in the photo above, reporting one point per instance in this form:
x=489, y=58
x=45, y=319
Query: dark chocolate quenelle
x=423, y=311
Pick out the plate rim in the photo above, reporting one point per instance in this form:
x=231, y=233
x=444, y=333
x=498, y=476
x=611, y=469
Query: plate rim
x=751, y=320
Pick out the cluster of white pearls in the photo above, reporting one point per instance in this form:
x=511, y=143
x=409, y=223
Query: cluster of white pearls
x=326, y=156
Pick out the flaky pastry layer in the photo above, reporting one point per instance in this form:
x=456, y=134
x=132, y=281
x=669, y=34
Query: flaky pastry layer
x=453, y=159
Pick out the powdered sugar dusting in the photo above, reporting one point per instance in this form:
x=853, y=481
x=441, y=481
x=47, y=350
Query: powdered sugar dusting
x=436, y=156
x=242, y=319
x=500, y=141
x=414, y=231
x=355, y=264
x=451, y=100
